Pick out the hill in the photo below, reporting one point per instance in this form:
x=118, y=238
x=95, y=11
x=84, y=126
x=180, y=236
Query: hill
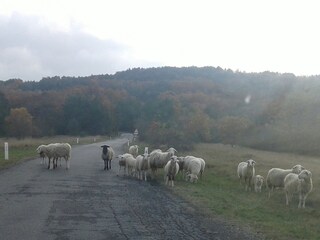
x=171, y=106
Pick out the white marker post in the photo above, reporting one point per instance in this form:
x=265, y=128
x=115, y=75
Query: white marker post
x=146, y=150
x=77, y=140
x=6, y=151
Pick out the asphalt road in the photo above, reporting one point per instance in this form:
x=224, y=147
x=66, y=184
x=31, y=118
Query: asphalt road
x=86, y=202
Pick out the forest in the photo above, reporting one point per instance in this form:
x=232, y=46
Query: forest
x=170, y=106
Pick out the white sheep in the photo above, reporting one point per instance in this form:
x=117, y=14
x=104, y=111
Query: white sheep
x=193, y=169
x=134, y=150
x=142, y=166
x=171, y=169
x=107, y=156
x=184, y=163
x=246, y=171
x=55, y=151
x=159, y=159
x=203, y=165
x=258, y=182
x=122, y=163
x=62, y=150
x=41, y=153
x=301, y=184
x=275, y=177
x=47, y=150
x=130, y=162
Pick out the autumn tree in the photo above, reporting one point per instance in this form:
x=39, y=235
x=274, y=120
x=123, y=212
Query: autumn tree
x=19, y=123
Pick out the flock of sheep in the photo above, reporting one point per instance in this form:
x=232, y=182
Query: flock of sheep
x=294, y=180
x=140, y=166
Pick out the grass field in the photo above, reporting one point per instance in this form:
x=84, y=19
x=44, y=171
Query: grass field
x=220, y=194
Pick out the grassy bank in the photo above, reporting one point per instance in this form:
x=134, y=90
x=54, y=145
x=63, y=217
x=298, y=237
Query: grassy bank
x=20, y=150
x=220, y=194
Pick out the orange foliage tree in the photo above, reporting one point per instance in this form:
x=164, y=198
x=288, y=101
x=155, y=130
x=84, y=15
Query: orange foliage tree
x=19, y=123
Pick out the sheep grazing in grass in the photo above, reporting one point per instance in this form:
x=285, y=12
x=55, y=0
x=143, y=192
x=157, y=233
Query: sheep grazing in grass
x=134, y=150
x=142, y=166
x=258, y=182
x=193, y=168
x=184, y=164
x=171, y=169
x=301, y=184
x=246, y=172
x=159, y=159
x=107, y=156
x=275, y=177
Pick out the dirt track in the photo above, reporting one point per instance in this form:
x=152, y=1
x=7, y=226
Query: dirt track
x=86, y=202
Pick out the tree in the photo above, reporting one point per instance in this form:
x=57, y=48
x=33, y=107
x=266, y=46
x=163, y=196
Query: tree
x=19, y=123
x=231, y=128
x=86, y=116
x=4, y=111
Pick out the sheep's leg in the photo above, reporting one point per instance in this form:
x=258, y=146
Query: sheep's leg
x=302, y=201
x=49, y=163
x=68, y=163
x=105, y=165
x=110, y=164
x=287, y=198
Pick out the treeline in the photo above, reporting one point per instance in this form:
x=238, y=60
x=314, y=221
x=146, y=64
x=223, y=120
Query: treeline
x=170, y=106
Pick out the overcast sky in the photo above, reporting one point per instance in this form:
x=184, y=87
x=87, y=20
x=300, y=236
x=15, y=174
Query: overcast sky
x=40, y=38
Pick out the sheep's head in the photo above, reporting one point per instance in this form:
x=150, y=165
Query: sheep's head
x=145, y=155
x=40, y=149
x=259, y=180
x=305, y=174
x=297, y=168
x=251, y=163
x=172, y=151
x=105, y=149
x=174, y=160
x=192, y=178
x=180, y=162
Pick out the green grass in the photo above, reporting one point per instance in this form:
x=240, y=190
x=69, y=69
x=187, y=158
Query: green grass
x=220, y=194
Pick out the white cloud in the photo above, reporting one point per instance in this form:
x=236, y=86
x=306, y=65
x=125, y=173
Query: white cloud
x=30, y=50
x=104, y=36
